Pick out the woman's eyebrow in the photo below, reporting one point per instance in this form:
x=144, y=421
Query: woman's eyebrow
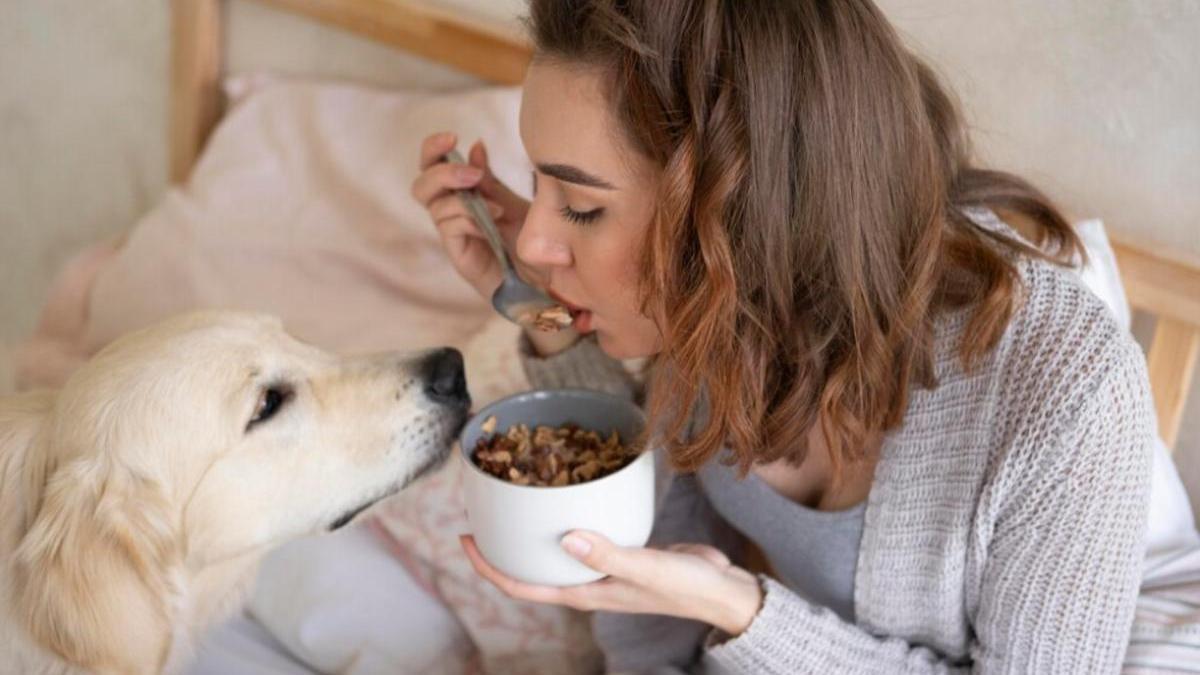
x=572, y=174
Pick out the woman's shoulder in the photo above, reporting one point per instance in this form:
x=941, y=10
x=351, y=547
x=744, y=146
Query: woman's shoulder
x=1064, y=353
x=1063, y=399
x=1061, y=340
x=1063, y=362
x=1062, y=336
x=1073, y=409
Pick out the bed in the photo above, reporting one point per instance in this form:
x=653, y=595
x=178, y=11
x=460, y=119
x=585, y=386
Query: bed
x=207, y=113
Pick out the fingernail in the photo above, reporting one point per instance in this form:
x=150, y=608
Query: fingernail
x=576, y=545
x=468, y=174
x=445, y=137
x=495, y=209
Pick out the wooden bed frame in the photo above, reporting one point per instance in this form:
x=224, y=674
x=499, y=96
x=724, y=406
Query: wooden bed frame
x=1159, y=283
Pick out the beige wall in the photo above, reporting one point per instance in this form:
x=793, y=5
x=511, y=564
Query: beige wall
x=1097, y=100
x=82, y=123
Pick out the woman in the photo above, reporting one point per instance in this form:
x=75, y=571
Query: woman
x=936, y=437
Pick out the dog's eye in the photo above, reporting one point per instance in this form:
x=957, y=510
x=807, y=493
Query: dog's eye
x=270, y=401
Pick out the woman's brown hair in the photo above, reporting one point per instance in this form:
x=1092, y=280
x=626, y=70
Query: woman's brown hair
x=810, y=225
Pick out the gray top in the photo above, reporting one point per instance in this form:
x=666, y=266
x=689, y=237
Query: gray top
x=1003, y=529
x=812, y=552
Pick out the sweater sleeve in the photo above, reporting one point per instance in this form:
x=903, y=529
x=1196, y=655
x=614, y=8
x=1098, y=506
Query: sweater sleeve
x=583, y=365
x=650, y=643
x=1057, y=590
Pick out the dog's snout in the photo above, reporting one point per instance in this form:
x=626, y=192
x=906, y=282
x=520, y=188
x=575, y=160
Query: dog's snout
x=445, y=378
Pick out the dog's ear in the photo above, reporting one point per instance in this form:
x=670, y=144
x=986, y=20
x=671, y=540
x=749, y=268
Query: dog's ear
x=93, y=570
x=22, y=420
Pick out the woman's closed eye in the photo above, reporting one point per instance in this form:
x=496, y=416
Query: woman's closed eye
x=581, y=217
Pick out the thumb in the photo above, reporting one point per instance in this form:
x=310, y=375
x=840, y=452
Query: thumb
x=477, y=155
x=600, y=554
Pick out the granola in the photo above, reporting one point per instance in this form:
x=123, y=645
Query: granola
x=547, y=456
x=547, y=320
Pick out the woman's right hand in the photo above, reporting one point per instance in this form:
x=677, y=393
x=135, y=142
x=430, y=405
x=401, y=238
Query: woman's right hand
x=464, y=242
x=461, y=237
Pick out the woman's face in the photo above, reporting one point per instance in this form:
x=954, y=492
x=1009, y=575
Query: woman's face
x=593, y=201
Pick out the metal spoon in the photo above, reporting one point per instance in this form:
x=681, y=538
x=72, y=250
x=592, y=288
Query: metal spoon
x=516, y=300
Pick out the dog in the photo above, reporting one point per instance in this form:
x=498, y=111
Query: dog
x=137, y=501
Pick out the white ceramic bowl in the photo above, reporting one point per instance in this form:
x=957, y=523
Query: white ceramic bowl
x=518, y=528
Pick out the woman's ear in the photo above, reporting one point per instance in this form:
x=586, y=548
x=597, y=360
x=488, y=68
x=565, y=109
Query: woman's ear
x=93, y=570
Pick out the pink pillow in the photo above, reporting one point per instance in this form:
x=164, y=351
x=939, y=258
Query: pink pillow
x=300, y=207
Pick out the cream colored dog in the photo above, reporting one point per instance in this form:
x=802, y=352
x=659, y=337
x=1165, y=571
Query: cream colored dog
x=138, y=500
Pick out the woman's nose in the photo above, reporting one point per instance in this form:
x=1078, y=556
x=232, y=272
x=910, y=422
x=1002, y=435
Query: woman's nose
x=538, y=245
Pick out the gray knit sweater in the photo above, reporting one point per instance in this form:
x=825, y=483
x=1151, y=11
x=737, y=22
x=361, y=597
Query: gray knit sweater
x=1003, y=530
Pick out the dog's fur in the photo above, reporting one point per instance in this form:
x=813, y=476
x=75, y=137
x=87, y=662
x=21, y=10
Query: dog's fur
x=136, y=502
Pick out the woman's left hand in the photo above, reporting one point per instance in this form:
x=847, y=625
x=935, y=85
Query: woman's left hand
x=691, y=581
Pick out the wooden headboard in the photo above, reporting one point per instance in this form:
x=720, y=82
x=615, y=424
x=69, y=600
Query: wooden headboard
x=1157, y=282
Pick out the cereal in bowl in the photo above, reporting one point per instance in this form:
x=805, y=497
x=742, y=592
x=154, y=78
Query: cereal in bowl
x=548, y=456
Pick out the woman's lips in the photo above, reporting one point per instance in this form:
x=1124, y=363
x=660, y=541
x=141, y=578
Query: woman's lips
x=571, y=307
x=583, y=321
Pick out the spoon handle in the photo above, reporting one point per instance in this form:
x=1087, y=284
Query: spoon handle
x=479, y=212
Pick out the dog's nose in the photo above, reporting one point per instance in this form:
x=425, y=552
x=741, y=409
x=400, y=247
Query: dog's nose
x=445, y=379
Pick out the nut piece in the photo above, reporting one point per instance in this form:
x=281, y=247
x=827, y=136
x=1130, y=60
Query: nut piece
x=548, y=320
x=547, y=456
